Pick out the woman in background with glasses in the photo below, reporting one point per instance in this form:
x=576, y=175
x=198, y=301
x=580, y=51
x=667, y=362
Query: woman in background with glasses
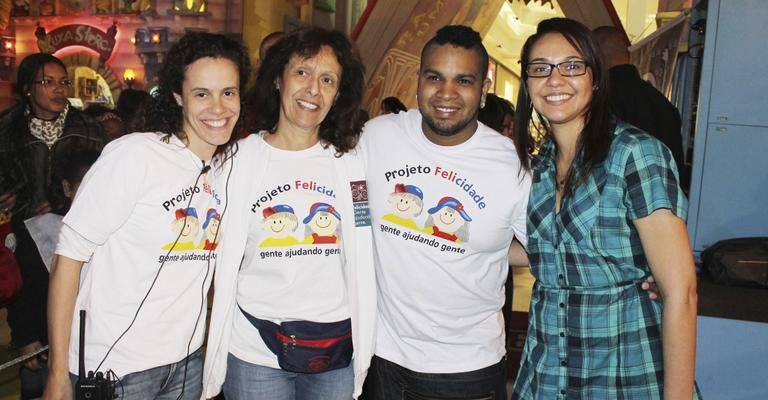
x=37, y=135
x=605, y=211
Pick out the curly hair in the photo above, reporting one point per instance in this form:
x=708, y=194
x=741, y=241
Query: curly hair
x=594, y=139
x=459, y=36
x=28, y=69
x=164, y=114
x=340, y=127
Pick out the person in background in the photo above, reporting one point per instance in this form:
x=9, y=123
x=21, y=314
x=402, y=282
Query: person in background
x=109, y=120
x=392, y=105
x=131, y=108
x=498, y=114
x=145, y=306
x=605, y=211
x=268, y=42
x=36, y=137
x=300, y=166
x=636, y=101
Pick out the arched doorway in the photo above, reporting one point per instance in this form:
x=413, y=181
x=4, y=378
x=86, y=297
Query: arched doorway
x=94, y=82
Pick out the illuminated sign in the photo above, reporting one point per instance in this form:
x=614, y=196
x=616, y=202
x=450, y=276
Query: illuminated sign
x=78, y=35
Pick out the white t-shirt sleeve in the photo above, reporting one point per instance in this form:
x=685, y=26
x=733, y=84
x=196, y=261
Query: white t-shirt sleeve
x=73, y=245
x=109, y=190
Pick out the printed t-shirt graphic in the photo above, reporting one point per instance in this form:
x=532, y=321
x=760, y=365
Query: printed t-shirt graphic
x=407, y=203
x=211, y=230
x=279, y=222
x=448, y=220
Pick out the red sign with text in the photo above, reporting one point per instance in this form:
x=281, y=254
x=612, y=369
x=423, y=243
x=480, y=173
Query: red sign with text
x=79, y=35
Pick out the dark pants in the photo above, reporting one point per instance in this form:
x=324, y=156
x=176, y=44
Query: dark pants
x=389, y=381
x=33, y=382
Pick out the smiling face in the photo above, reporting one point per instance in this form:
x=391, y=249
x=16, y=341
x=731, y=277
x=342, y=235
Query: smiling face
x=448, y=220
x=562, y=100
x=186, y=228
x=210, y=101
x=280, y=225
x=212, y=230
x=451, y=87
x=405, y=205
x=308, y=88
x=48, y=101
x=324, y=223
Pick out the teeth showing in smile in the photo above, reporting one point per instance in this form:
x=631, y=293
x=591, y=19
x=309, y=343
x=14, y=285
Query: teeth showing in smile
x=216, y=123
x=558, y=97
x=307, y=105
x=446, y=109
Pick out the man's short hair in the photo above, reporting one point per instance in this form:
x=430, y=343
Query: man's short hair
x=459, y=36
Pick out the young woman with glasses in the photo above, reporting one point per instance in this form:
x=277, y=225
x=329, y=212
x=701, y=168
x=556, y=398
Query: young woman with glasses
x=605, y=211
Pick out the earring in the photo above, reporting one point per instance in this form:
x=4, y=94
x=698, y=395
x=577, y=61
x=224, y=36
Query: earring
x=29, y=94
x=594, y=87
x=482, y=104
x=277, y=86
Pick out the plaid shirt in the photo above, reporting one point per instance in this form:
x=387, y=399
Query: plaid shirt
x=593, y=333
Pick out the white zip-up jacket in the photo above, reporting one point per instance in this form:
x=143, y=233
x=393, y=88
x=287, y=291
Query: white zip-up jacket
x=249, y=166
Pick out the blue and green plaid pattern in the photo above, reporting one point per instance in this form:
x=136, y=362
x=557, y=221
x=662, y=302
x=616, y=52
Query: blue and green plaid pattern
x=593, y=333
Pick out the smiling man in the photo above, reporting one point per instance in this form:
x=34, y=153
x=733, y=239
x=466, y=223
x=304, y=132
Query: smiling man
x=440, y=327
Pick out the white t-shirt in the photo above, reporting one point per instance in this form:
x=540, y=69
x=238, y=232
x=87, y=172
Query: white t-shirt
x=292, y=269
x=443, y=218
x=135, y=201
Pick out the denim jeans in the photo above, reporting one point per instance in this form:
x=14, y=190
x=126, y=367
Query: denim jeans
x=162, y=383
x=246, y=381
x=389, y=381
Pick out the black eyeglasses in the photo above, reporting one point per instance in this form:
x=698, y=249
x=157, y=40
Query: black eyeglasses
x=47, y=82
x=566, y=68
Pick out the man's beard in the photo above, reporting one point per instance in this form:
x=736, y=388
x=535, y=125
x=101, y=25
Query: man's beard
x=451, y=130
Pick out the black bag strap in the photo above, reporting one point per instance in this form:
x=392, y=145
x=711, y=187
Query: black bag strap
x=267, y=329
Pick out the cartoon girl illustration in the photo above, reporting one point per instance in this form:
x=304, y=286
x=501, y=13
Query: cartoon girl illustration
x=448, y=220
x=210, y=229
x=185, y=227
x=322, y=224
x=279, y=222
x=407, y=202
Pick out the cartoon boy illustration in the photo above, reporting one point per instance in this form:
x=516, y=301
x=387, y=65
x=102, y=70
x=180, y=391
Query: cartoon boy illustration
x=448, y=220
x=407, y=202
x=185, y=227
x=279, y=222
x=323, y=224
x=210, y=229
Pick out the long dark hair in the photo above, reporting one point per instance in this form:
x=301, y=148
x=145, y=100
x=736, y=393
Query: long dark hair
x=164, y=114
x=594, y=139
x=340, y=127
x=28, y=69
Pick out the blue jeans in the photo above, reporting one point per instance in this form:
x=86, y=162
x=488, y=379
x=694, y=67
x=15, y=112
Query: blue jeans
x=389, y=381
x=246, y=381
x=162, y=383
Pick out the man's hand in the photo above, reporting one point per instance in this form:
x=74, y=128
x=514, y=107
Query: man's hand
x=649, y=285
x=34, y=362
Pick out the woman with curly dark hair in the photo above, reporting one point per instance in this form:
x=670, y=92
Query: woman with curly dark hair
x=305, y=271
x=141, y=221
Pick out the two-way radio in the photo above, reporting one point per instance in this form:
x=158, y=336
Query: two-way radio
x=93, y=386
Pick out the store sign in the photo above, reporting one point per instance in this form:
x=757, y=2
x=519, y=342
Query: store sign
x=78, y=35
